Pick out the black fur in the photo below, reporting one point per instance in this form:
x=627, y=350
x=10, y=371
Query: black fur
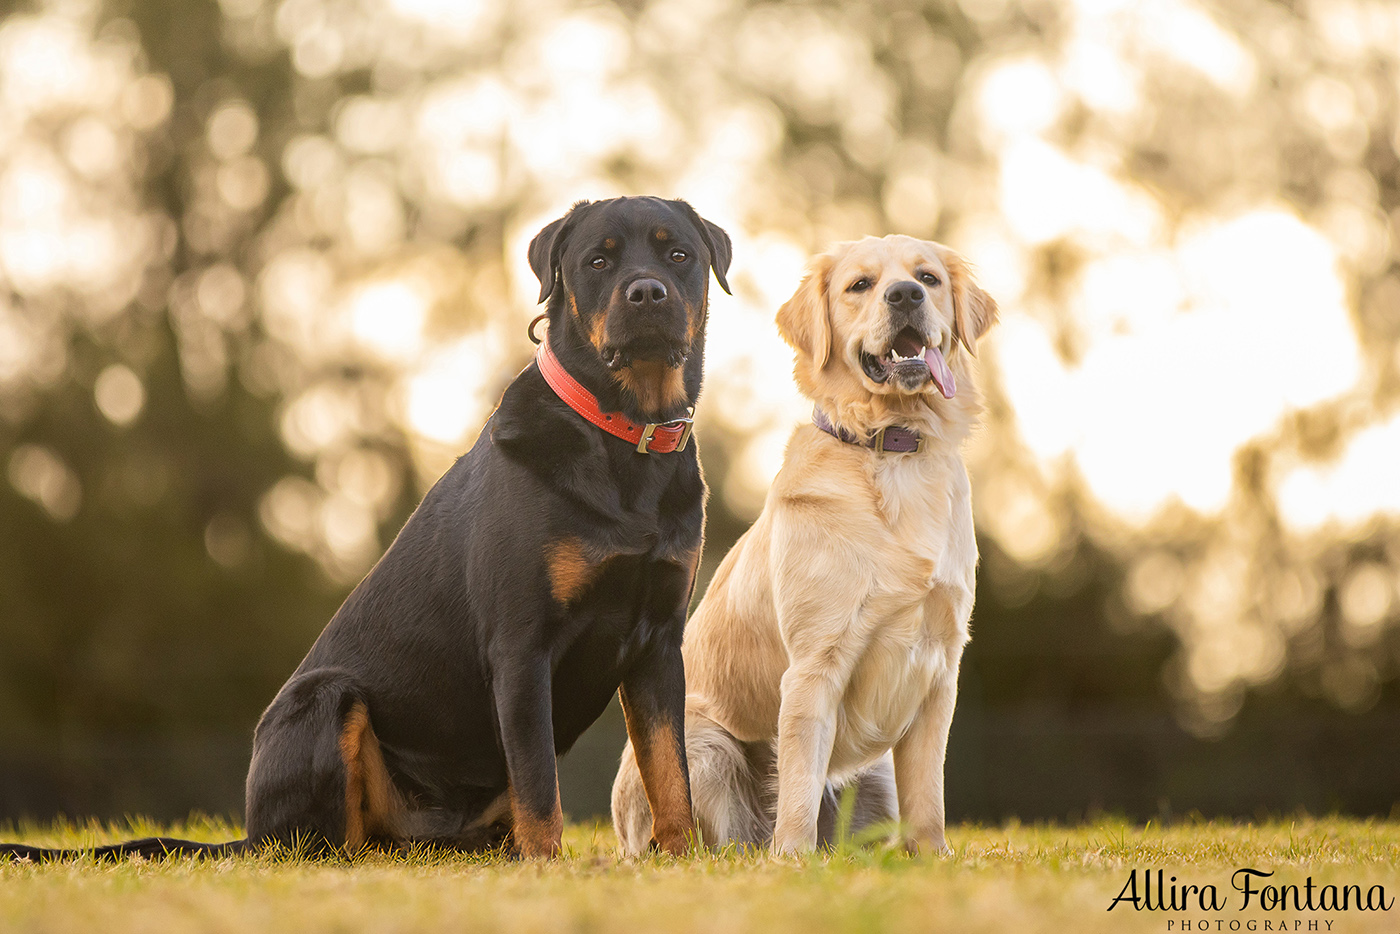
x=150, y=848
x=475, y=674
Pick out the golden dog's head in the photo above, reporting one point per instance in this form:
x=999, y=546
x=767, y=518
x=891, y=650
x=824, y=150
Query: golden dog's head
x=881, y=327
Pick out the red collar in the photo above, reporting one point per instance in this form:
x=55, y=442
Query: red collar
x=651, y=438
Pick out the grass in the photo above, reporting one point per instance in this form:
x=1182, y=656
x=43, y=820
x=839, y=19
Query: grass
x=1012, y=878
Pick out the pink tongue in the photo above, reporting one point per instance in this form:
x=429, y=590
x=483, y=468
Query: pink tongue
x=942, y=376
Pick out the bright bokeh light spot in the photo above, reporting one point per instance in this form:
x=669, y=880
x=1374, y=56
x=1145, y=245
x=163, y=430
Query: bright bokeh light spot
x=1046, y=195
x=232, y=129
x=1178, y=30
x=1020, y=518
x=1161, y=399
x=44, y=63
x=1020, y=97
x=445, y=399
x=1187, y=33
x=387, y=318
x=41, y=475
x=1365, y=599
x=322, y=417
x=1100, y=76
x=119, y=394
x=458, y=18
x=1349, y=491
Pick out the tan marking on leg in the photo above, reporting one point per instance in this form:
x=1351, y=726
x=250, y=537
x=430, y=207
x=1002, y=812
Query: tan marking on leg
x=570, y=569
x=663, y=779
x=372, y=803
x=351, y=739
x=535, y=837
x=656, y=386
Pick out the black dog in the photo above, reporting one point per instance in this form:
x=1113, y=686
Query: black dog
x=549, y=567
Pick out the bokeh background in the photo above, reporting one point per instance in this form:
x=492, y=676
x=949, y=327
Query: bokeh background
x=262, y=276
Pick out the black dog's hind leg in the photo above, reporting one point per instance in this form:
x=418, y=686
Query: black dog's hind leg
x=524, y=712
x=318, y=782
x=653, y=701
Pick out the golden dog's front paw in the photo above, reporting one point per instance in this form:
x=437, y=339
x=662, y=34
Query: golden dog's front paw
x=927, y=845
x=793, y=846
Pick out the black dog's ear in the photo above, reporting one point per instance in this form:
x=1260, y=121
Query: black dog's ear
x=716, y=241
x=546, y=248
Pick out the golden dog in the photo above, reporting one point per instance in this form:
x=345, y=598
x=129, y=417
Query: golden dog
x=827, y=646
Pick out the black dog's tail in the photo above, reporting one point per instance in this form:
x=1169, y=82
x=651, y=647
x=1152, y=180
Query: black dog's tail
x=149, y=847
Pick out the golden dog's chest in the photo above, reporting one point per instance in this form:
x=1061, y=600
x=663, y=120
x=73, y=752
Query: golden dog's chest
x=908, y=652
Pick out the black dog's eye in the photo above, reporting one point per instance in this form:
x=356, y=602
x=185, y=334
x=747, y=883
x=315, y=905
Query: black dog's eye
x=679, y=256
x=860, y=285
x=598, y=262
x=928, y=278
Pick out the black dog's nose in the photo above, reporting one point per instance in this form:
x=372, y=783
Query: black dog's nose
x=646, y=292
x=904, y=296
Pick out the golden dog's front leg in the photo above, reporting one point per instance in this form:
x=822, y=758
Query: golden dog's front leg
x=806, y=730
x=919, y=759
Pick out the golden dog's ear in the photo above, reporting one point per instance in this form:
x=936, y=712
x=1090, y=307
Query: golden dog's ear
x=805, y=319
x=974, y=311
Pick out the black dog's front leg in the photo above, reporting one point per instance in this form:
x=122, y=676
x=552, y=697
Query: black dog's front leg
x=523, y=706
x=653, y=700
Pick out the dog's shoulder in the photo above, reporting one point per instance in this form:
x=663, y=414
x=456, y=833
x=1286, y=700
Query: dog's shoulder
x=533, y=426
x=820, y=472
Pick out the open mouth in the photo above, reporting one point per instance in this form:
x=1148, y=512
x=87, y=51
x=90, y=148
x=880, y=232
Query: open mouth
x=912, y=361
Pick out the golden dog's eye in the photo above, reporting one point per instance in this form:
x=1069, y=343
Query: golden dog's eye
x=929, y=279
x=860, y=285
x=598, y=262
x=679, y=256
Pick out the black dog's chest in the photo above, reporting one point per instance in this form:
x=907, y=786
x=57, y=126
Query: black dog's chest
x=629, y=596
x=618, y=623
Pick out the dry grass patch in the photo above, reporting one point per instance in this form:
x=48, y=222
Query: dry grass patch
x=1011, y=878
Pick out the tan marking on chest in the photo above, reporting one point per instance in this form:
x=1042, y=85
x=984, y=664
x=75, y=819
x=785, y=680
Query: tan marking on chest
x=654, y=385
x=570, y=569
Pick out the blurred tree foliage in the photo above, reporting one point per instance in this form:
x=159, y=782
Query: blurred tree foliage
x=212, y=429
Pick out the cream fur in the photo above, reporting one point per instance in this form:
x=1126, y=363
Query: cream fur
x=833, y=630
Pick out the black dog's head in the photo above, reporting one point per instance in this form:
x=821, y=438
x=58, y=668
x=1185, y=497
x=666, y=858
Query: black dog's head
x=629, y=277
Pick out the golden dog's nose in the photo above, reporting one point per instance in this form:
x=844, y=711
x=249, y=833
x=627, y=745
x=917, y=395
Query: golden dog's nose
x=904, y=296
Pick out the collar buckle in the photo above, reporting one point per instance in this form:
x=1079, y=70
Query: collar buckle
x=878, y=442
x=685, y=424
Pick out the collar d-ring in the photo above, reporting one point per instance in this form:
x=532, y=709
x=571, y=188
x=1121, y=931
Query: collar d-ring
x=531, y=329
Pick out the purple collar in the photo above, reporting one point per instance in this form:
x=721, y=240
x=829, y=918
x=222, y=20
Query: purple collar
x=894, y=439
